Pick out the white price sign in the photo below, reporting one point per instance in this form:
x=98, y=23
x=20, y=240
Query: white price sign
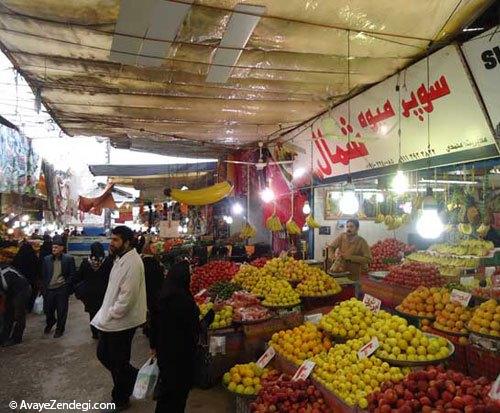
x=200, y=293
x=304, y=370
x=264, y=360
x=313, y=318
x=460, y=297
x=495, y=389
x=372, y=303
x=369, y=348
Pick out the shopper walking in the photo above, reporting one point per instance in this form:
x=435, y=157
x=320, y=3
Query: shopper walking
x=174, y=338
x=46, y=248
x=92, y=280
x=17, y=292
x=28, y=264
x=122, y=311
x=58, y=272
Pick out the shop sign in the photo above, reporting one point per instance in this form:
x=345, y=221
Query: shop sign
x=460, y=297
x=264, y=360
x=372, y=303
x=438, y=106
x=304, y=370
x=369, y=348
x=483, y=57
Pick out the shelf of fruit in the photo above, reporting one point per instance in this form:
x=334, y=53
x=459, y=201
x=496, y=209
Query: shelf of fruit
x=247, y=309
x=451, y=266
x=223, y=290
x=301, y=343
x=434, y=390
x=424, y=302
x=210, y=273
x=388, y=252
x=247, y=379
x=453, y=319
x=277, y=293
x=485, y=320
x=318, y=284
x=223, y=315
x=414, y=274
x=473, y=248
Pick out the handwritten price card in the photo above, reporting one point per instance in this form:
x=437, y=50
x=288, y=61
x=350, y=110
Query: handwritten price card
x=266, y=357
x=369, y=348
x=372, y=303
x=304, y=370
x=460, y=297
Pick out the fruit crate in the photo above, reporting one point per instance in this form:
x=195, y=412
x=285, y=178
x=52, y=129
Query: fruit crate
x=458, y=361
x=482, y=362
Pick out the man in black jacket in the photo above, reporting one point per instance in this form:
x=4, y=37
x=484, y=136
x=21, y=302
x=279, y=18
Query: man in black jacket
x=17, y=291
x=58, y=272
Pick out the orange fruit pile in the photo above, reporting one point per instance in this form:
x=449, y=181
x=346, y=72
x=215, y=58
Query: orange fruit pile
x=453, y=318
x=486, y=319
x=424, y=301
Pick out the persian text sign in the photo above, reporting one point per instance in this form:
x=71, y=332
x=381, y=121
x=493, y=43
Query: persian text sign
x=460, y=297
x=443, y=102
x=369, y=348
x=304, y=370
x=264, y=360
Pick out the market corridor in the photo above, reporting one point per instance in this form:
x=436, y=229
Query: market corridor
x=43, y=368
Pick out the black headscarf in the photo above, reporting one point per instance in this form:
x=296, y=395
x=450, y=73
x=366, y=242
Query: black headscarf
x=26, y=262
x=177, y=280
x=97, y=250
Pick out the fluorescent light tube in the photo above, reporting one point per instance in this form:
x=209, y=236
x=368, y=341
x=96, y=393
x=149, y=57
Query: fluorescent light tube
x=238, y=31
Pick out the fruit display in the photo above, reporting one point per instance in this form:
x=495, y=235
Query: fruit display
x=286, y=396
x=276, y=292
x=259, y=262
x=479, y=248
x=292, y=228
x=453, y=318
x=424, y=302
x=301, y=343
x=223, y=316
x=245, y=378
x=247, y=276
x=434, y=390
x=223, y=290
x=413, y=275
x=273, y=223
x=487, y=292
x=289, y=269
x=318, y=284
x=448, y=266
x=203, y=196
x=311, y=222
x=210, y=273
x=247, y=308
x=387, y=252
x=348, y=319
x=248, y=231
x=353, y=380
x=486, y=319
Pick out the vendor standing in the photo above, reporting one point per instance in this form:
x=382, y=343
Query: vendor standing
x=352, y=253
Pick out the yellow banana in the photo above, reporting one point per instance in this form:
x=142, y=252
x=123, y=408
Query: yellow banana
x=379, y=218
x=311, y=222
x=248, y=231
x=292, y=227
x=273, y=224
x=203, y=196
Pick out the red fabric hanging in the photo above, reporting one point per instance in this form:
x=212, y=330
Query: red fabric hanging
x=96, y=205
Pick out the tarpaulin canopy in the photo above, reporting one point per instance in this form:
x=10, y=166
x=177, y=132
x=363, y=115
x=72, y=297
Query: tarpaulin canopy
x=301, y=57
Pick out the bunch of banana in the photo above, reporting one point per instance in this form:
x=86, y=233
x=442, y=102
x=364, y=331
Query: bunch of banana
x=248, y=231
x=406, y=219
x=203, y=196
x=483, y=230
x=379, y=218
x=273, y=223
x=311, y=222
x=465, y=229
x=292, y=227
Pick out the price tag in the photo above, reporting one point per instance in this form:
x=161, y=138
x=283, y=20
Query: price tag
x=200, y=293
x=495, y=389
x=266, y=357
x=372, y=303
x=304, y=370
x=369, y=348
x=460, y=297
x=313, y=318
x=467, y=281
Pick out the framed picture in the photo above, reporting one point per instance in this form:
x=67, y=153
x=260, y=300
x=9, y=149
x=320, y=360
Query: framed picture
x=367, y=206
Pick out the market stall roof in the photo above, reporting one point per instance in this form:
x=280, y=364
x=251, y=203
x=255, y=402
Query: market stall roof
x=150, y=170
x=175, y=77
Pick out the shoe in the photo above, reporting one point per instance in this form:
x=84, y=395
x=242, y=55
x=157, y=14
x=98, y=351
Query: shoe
x=9, y=343
x=118, y=408
x=47, y=329
x=58, y=334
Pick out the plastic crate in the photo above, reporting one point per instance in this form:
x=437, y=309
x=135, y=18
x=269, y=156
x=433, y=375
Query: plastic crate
x=483, y=362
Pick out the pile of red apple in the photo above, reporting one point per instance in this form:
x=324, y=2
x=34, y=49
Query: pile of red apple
x=287, y=396
x=413, y=275
x=388, y=251
x=434, y=390
x=259, y=262
x=208, y=274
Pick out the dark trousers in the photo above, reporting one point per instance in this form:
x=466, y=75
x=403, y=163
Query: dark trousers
x=171, y=399
x=92, y=313
x=56, y=301
x=113, y=351
x=15, y=315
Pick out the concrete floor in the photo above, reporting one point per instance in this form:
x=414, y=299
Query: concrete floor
x=43, y=368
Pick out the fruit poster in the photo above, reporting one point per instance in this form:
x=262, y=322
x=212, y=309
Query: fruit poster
x=432, y=103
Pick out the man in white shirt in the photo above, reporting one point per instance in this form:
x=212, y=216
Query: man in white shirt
x=122, y=311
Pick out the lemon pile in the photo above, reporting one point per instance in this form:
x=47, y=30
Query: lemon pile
x=343, y=373
x=223, y=318
x=318, y=284
x=276, y=292
x=247, y=276
x=245, y=378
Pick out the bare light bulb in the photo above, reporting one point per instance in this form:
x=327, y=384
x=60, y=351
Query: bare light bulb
x=429, y=225
x=237, y=209
x=400, y=183
x=299, y=172
x=267, y=195
x=306, y=209
x=349, y=204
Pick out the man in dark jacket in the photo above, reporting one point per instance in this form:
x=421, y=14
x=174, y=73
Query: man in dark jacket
x=58, y=272
x=17, y=290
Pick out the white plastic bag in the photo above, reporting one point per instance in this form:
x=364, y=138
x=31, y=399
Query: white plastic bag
x=146, y=380
x=38, y=305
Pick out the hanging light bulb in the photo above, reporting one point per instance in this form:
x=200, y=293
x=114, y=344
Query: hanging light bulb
x=267, y=195
x=299, y=172
x=429, y=225
x=349, y=203
x=25, y=218
x=10, y=231
x=400, y=183
x=379, y=197
x=228, y=219
x=306, y=209
x=305, y=228
x=237, y=209
x=6, y=219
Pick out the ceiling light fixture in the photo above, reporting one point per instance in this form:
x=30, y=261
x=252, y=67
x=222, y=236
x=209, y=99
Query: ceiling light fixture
x=238, y=31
